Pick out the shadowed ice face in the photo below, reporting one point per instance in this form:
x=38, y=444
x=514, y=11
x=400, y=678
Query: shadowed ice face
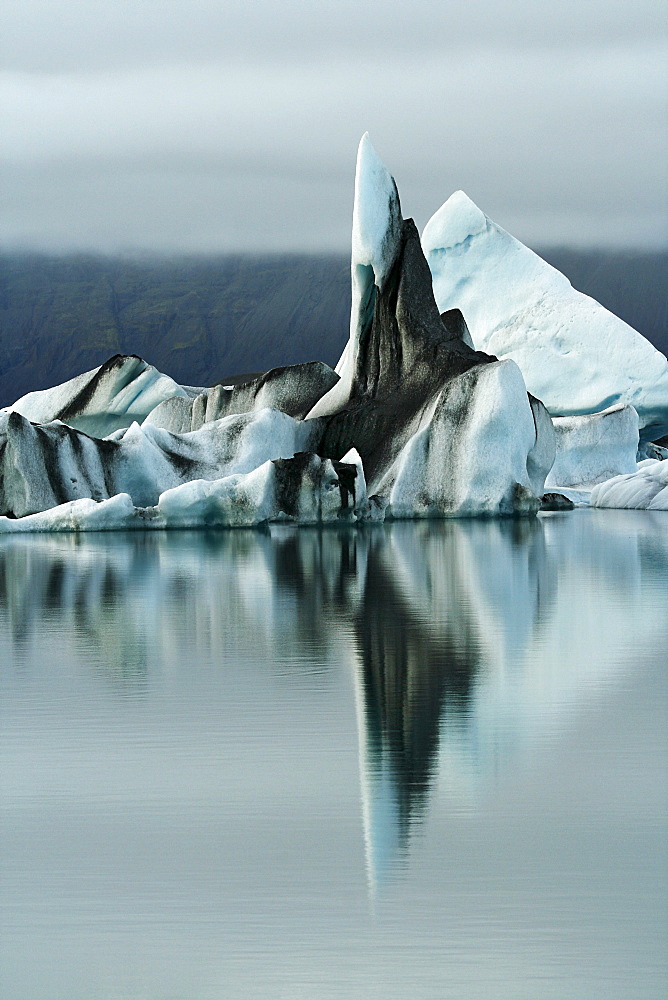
x=311, y=489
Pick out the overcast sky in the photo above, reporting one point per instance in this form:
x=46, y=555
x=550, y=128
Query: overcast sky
x=221, y=125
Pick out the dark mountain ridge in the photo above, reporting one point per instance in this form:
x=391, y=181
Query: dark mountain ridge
x=204, y=319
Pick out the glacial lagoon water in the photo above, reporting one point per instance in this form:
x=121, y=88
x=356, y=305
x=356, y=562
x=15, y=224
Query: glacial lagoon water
x=411, y=760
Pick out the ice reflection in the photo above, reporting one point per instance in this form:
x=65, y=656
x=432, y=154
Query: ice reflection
x=413, y=668
x=477, y=639
x=153, y=602
x=465, y=638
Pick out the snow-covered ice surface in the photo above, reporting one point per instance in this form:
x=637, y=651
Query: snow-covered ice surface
x=645, y=489
x=574, y=354
x=121, y=391
x=594, y=447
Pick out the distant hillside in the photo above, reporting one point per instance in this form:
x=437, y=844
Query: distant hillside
x=197, y=320
x=202, y=319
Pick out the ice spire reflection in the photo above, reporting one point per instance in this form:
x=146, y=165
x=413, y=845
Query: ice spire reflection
x=469, y=644
x=467, y=640
x=408, y=674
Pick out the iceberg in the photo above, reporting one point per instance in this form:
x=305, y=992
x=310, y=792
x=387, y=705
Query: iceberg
x=574, y=355
x=644, y=489
x=415, y=422
x=441, y=429
x=116, y=514
x=45, y=465
x=294, y=390
x=305, y=488
x=120, y=392
x=474, y=465
x=594, y=447
x=126, y=390
x=376, y=242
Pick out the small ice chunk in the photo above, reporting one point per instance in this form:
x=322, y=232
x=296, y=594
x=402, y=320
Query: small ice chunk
x=594, y=447
x=645, y=489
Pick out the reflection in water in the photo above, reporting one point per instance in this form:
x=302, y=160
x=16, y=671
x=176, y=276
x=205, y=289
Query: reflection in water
x=464, y=637
x=412, y=669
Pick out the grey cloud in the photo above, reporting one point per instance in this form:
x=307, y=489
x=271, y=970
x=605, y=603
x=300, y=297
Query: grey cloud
x=58, y=35
x=559, y=142
x=161, y=210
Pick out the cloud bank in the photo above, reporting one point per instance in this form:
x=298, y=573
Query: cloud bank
x=206, y=127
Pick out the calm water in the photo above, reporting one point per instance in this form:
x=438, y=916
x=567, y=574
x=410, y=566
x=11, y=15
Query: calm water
x=415, y=760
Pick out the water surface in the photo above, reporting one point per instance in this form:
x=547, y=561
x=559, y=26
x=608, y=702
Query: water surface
x=407, y=760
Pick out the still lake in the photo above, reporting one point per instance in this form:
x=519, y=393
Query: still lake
x=412, y=760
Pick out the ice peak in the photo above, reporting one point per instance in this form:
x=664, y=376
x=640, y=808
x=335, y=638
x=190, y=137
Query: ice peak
x=376, y=243
x=575, y=356
x=454, y=222
x=376, y=212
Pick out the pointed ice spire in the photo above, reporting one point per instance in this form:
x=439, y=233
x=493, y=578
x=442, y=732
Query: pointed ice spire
x=384, y=839
x=574, y=355
x=376, y=242
x=376, y=215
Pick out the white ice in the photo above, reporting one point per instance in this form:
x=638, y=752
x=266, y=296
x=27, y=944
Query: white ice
x=141, y=461
x=644, y=489
x=114, y=514
x=376, y=240
x=239, y=500
x=574, y=354
x=446, y=469
x=594, y=447
x=124, y=394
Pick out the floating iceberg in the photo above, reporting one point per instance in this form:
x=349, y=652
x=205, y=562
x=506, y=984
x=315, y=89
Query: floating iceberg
x=574, y=354
x=45, y=465
x=304, y=488
x=441, y=429
x=644, y=489
x=414, y=422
